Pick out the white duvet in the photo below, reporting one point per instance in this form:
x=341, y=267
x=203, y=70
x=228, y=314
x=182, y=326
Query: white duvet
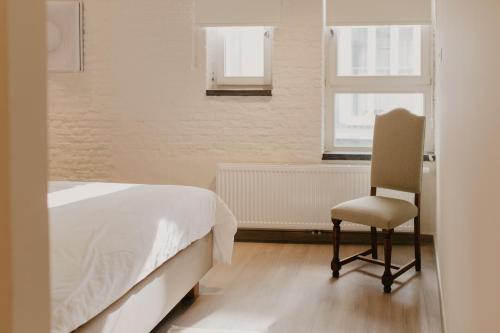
x=105, y=238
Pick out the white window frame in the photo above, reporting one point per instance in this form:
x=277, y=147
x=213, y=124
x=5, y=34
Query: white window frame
x=422, y=84
x=222, y=80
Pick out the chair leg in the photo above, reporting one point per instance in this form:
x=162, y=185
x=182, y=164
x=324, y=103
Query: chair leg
x=387, y=278
x=374, y=242
x=417, y=244
x=336, y=248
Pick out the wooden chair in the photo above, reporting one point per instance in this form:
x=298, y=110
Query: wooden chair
x=397, y=157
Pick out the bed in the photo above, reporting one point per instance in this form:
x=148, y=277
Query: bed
x=123, y=255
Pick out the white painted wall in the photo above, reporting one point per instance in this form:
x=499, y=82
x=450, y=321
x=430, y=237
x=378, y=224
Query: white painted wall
x=468, y=111
x=24, y=263
x=139, y=111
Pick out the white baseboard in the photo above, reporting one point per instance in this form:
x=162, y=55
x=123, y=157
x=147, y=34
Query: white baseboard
x=440, y=290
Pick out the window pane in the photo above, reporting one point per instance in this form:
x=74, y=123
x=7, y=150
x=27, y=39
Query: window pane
x=355, y=114
x=359, y=49
x=409, y=51
x=383, y=51
x=244, y=51
x=378, y=50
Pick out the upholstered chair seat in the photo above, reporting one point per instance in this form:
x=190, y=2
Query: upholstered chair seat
x=380, y=212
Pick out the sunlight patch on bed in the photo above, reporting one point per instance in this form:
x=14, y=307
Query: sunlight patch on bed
x=83, y=192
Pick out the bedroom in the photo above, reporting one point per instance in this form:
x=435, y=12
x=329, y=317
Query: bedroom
x=143, y=100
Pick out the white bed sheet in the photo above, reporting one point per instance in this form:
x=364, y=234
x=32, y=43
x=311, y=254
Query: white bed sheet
x=105, y=238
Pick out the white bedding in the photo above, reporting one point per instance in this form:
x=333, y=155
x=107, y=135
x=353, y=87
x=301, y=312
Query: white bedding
x=105, y=238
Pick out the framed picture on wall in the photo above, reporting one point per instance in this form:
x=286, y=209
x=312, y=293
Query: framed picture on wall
x=64, y=36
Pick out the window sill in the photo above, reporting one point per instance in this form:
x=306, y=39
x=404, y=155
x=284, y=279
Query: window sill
x=240, y=91
x=331, y=156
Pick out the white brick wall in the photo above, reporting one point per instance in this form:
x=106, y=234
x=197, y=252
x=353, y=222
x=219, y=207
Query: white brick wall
x=138, y=112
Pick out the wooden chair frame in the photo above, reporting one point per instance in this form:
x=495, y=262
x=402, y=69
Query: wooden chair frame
x=388, y=277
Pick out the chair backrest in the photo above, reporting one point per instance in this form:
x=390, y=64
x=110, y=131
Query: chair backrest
x=398, y=150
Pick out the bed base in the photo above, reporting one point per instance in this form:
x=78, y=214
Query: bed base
x=147, y=303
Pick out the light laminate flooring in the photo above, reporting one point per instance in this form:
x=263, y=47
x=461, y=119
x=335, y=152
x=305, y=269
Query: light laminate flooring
x=289, y=288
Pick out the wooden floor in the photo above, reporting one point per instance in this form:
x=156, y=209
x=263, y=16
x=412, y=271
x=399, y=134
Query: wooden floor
x=288, y=288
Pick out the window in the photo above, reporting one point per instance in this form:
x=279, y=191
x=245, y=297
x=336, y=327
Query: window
x=243, y=56
x=372, y=70
x=355, y=114
x=379, y=51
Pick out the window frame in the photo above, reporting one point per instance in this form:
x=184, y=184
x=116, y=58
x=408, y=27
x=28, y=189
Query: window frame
x=219, y=76
x=422, y=84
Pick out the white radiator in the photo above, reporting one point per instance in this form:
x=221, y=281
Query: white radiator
x=294, y=196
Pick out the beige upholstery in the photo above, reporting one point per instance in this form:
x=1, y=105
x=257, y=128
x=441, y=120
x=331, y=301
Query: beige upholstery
x=380, y=212
x=398, y=148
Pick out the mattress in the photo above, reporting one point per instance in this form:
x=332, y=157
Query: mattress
x=105, y=238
